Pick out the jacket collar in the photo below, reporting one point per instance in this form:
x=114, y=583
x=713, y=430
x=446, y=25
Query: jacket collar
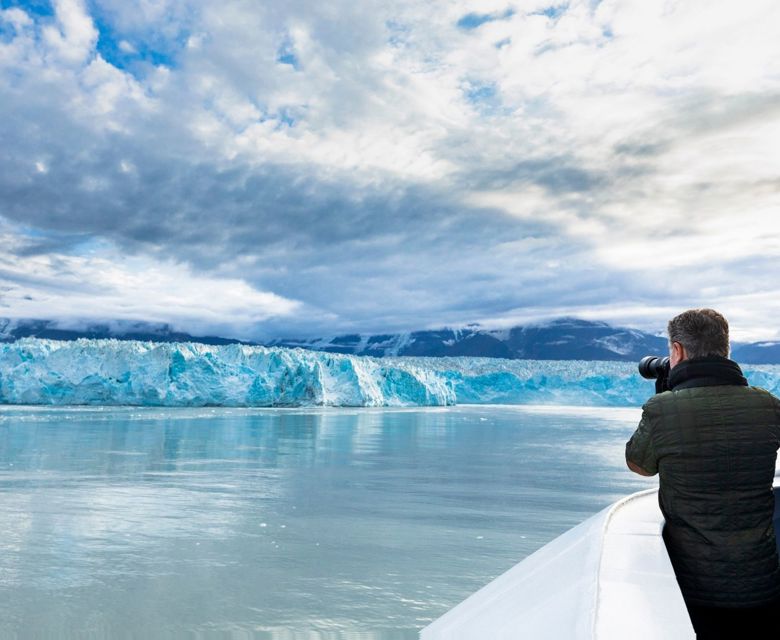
x=709, y=371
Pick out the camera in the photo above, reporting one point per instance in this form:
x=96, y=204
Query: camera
x=654, y=367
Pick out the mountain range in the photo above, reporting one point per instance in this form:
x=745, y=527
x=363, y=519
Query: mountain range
x=559, y=339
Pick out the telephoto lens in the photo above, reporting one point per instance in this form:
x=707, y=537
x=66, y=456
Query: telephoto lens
x=654, y=367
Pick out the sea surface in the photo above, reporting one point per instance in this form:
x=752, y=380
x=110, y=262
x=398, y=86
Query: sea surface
x=316, y=523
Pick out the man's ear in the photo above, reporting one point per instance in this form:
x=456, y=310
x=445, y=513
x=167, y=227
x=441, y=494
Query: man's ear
x=679, y=352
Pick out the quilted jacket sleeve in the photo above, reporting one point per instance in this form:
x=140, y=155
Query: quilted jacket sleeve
x=640, y=449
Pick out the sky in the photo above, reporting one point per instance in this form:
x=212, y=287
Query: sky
x=259, y=169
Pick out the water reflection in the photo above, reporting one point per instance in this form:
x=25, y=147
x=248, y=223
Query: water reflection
x=334, y=523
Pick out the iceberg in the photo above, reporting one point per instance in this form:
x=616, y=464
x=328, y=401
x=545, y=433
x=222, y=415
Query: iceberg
x=127, y=372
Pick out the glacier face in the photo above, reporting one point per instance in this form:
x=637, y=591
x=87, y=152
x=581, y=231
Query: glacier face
x=114, y=372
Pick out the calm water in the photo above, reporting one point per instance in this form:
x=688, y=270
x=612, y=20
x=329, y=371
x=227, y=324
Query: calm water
x=287, y=523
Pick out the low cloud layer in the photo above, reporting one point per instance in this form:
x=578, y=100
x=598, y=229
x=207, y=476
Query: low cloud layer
x=266, y=170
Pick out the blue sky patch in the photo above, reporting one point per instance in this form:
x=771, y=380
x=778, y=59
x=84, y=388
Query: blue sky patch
x=553, y=11
x=399, y=33
x=288, y=58
x=286, y=117
x=35, y=232
x=481, y=92
x=126, y=55
x=286, y=55
x=7, y=31
x=130, y=53
x=484, y=96
x=283, y=118
x=474, y=20
x=33, y=7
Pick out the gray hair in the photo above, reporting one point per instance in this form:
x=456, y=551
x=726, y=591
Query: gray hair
x=703, y=332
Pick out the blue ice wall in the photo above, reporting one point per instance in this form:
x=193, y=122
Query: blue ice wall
x=113, y=372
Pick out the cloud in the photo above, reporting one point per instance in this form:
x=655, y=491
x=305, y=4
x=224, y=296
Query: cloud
x=72, y=37
x=383, y=167
x=50, y=283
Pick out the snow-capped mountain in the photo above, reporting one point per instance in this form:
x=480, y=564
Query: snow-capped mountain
x=560, y=339
x=12, y=329
x=756, y=352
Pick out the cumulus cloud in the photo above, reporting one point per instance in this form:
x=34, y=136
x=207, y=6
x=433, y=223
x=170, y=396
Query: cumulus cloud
x=395, y=165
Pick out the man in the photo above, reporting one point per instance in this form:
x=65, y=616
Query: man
x=713, y=441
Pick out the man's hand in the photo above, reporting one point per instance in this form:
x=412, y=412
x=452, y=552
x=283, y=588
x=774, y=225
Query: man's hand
x=637, y=469
x=662, y=384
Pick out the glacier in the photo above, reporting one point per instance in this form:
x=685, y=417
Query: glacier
x=37, y=371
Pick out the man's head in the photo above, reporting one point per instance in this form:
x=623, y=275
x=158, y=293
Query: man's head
x=697, y=333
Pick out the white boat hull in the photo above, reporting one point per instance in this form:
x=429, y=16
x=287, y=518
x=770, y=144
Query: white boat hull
x=608, y=578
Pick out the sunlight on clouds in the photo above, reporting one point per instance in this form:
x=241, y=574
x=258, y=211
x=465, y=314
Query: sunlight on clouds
x=108, y=87
x=106, y=284
x=74, y=36
x=699, y=184
x=750, y=314
x=394, y=127
x=680, y=249
x=529, y=203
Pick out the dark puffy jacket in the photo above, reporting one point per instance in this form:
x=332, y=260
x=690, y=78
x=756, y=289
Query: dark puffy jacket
x=713, y=440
